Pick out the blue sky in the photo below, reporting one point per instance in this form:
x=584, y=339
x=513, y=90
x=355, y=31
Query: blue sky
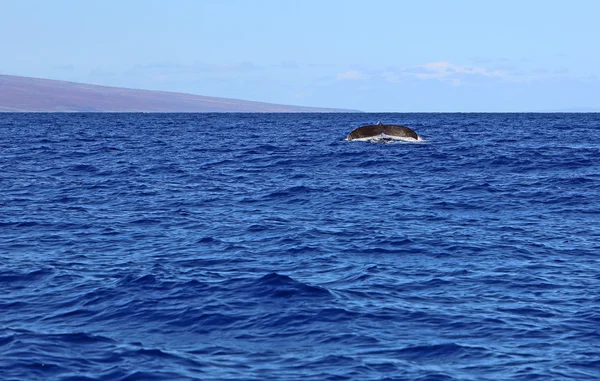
x=371, y=55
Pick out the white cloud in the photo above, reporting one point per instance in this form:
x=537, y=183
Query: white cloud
x=169, y=68
x=442, y=71
x=351, y=75
x=446, y=71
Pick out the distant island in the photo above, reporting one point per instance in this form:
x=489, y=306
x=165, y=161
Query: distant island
x=25, y=94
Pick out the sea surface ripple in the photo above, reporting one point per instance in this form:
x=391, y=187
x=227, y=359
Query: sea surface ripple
x=264, y=246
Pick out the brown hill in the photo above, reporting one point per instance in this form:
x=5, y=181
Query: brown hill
x=24, y=94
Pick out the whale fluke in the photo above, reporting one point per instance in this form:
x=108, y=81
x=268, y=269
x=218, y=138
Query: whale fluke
x=382, y=130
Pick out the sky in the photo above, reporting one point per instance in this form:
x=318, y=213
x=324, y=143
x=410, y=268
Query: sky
x=371, y=55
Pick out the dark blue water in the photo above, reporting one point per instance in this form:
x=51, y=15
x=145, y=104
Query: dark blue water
x=265, y=247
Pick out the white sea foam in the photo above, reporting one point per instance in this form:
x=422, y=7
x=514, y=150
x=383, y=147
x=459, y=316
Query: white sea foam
x=383, y=138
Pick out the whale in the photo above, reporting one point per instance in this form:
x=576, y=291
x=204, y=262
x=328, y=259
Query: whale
x=383, y=132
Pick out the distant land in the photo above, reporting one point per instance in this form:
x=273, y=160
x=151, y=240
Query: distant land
x=25, y=94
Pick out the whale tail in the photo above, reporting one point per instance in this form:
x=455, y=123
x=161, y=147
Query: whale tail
x=390, y=130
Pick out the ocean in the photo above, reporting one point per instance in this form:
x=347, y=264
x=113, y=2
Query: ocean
x=266, y=247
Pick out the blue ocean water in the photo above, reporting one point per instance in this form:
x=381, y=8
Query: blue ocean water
x=264, y=246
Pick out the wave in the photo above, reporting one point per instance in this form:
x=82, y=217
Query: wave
x=132, y=247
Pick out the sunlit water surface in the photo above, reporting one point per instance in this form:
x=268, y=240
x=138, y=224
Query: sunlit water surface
x=264, y=246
